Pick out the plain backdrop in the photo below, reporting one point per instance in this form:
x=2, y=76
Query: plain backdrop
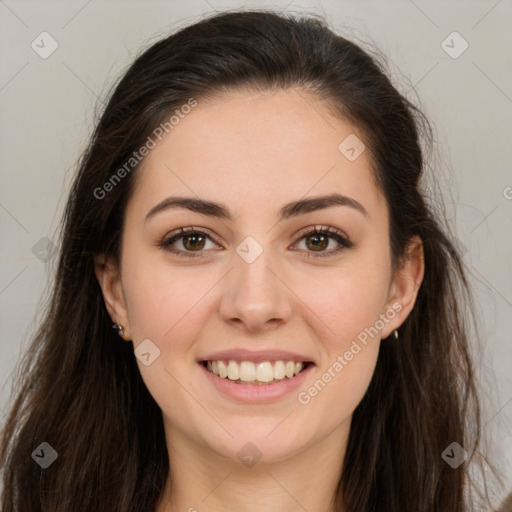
x=462, y=81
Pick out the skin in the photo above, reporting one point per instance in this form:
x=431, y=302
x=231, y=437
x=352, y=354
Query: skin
x=269, y=148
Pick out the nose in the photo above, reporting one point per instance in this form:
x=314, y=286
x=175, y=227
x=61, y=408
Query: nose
x=255, y=295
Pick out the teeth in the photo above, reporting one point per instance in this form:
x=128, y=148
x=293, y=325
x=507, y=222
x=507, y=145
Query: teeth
x=247, y=371
x=279, y=372
x=289, y=369
x=233, y=371
x=264, y=372
x=223, y=371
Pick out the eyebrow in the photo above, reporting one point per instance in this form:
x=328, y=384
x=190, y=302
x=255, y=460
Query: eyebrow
x=289, y=210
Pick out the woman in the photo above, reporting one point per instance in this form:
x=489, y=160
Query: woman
x=249, y=218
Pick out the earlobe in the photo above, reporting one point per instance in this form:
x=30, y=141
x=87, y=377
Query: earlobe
x=406, y=284
x=109, y=279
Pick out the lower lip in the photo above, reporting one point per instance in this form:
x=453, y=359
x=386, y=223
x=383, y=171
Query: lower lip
x=255, y=392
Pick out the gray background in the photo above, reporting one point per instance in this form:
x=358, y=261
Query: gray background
x=48, y=108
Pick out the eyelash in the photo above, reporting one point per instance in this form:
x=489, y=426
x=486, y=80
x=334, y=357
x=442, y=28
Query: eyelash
x=344, y=242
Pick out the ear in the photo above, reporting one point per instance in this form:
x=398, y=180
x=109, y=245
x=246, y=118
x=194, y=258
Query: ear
x=405, y=284
x=109, y=279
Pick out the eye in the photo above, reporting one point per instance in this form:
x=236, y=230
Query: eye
x=317, y=240
x=192, y=240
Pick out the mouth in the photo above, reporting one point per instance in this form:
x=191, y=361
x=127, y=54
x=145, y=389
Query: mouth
x=251, y=373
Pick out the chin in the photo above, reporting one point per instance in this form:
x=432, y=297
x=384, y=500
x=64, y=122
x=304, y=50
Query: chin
x=267, y=444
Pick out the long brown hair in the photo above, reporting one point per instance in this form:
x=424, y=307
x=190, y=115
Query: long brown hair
x=80, y=390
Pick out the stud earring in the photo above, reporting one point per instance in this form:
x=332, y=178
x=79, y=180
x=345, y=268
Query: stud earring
x=119, y=329
x=395, y=334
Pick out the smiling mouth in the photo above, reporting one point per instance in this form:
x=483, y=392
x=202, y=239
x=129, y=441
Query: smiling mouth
x=256, y=374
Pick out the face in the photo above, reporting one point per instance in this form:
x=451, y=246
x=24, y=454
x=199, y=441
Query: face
x=257, y=281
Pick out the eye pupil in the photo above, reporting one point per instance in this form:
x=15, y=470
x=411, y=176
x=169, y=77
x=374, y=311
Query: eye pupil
x=195, y=238
x=322, y=244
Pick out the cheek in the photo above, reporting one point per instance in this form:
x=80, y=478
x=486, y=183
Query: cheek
x=163, y=301
x=347, y=301
x=347, y=316
x=165, y=306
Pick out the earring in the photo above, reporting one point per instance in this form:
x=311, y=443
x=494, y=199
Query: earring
x=395, y=334
x=119, y=329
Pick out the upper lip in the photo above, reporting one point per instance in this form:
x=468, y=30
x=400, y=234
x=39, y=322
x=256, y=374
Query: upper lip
x=255, y=356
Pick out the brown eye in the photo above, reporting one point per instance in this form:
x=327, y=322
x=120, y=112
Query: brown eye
x=318, y=240
x=192, y=243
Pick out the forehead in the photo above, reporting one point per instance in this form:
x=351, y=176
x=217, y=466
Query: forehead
x=250, y=149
